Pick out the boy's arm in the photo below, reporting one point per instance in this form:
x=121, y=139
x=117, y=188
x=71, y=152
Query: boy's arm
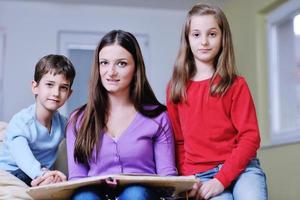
x=19, y=136
x=22, y=155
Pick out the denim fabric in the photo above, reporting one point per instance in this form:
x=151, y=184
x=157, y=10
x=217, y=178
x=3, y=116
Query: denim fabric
x=249, y=185
x=89, y=193
x=22, y=176
x=135, y=192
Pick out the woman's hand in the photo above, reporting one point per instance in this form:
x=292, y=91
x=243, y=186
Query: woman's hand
x=207, y=189
x=111, y=182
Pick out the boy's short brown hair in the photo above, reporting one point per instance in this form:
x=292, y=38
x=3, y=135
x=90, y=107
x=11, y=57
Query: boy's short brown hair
x=56, y=64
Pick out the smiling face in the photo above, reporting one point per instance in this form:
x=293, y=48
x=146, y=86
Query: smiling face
x=205, y=38
x=116, y=69
x=51, y=92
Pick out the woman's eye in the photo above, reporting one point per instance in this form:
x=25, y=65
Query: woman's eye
x=103, y=63
x=122, y=64
x=196, y=35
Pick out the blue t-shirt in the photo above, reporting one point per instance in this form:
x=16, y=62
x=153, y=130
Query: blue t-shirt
x=28, y=145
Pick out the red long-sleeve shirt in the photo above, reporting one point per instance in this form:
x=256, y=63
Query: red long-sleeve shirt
x=211, y=130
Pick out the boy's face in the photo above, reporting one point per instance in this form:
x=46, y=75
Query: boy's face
x=51, y=92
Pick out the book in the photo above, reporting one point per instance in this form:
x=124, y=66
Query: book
x=172, y=185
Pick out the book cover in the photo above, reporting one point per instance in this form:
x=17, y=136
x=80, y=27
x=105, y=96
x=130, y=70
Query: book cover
x=171, y=185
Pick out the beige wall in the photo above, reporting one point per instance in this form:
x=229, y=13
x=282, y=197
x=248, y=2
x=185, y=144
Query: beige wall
x=247, y=21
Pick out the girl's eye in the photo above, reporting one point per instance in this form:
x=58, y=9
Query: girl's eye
x=212, y=34
x=121, y=64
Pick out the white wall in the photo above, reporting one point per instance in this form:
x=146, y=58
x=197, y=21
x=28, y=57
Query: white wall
x=32, y=28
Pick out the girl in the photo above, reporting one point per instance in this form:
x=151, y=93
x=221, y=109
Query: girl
x=212, y=112
x=122, y=112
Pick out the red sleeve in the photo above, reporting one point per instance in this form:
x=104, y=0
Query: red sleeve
x=244, y=119
x=179, y=141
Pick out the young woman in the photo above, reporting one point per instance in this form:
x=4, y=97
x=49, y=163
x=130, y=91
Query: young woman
x=122, y=128
x=212, y=112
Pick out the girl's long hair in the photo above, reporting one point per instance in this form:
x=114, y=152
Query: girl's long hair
x=90, y=120
x=184, y=67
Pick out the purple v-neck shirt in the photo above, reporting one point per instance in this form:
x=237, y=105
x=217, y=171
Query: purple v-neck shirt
x=146, y=146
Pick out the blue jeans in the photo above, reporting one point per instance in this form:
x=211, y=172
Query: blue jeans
x=135, y=192
x=22, y=176
x=249, y=185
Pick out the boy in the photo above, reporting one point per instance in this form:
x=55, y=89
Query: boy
x=34, y=134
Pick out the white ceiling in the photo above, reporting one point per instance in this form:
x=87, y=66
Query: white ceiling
x=156, y=4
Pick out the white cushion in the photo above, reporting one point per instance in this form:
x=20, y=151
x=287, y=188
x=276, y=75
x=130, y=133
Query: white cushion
x=12, y=188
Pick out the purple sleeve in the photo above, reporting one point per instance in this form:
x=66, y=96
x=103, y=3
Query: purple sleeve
x=76, y=170
x=164, y=148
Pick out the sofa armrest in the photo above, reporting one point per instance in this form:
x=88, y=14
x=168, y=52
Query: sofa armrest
x=61, y=162
x=3, y=126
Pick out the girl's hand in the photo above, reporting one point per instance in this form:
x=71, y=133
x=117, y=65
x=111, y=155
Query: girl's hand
x=207, y=189
x=210, y=189
x=195, y=192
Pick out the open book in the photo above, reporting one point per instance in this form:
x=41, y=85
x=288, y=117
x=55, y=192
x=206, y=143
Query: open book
x=62, y=191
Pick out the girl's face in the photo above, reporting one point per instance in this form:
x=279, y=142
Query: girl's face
x=116, y=69
x=205, y=38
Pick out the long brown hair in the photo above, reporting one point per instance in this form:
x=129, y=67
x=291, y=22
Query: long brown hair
x=93, y=115
x=184, y=67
